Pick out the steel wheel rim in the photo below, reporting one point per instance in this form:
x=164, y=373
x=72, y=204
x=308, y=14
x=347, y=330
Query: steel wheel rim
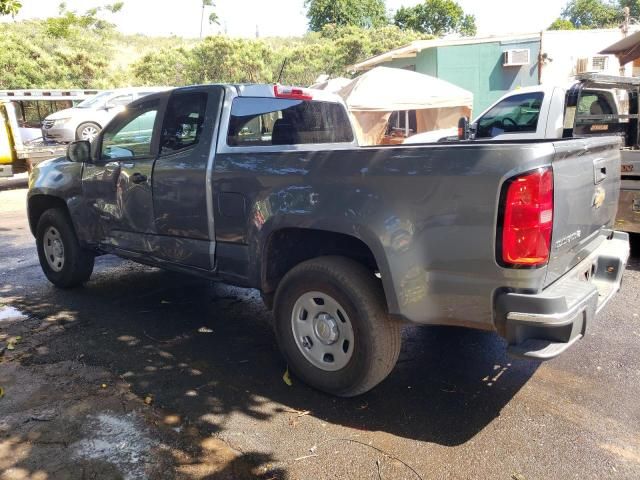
x=53, y=249
x=89, y=133
x=322, y=331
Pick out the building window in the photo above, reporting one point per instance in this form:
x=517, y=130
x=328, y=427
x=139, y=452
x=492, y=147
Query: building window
x=600, y=64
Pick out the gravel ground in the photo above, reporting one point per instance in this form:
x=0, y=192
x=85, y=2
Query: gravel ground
x=149, y=374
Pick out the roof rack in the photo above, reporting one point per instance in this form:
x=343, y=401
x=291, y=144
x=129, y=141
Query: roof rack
x=601, y=79
x=46, y=94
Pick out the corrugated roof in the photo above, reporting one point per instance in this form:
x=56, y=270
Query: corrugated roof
x=410, y=50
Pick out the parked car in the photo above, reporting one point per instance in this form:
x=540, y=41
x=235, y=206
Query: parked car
x=265, y=186
x=87, y=119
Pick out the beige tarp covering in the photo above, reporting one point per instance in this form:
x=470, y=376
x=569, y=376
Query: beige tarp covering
x=373, y=96
x=332, y=85
x=370, y=126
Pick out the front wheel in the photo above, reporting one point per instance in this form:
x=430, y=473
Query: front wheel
x=332, y=325
x=87, y=131
x=64, y=262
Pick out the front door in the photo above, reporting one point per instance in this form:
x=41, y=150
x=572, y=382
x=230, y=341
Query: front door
x=117, y=184
x=182, y=203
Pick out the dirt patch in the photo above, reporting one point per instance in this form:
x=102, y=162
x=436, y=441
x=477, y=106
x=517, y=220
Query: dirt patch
x=67, y=419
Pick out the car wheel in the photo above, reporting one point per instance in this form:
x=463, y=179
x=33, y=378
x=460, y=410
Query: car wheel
x=332, y=326
x=64, y=262
x=88, y=131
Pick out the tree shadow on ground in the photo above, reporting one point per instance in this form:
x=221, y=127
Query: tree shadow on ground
x=206, y=350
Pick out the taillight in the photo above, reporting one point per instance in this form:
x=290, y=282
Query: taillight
x=528, y=219
x=293, y=93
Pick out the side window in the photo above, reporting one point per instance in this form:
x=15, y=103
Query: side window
x=120, y=100
x=130, y=135
x=182, y=126
x=516, y=114
x=276, y=121
x=31, y=113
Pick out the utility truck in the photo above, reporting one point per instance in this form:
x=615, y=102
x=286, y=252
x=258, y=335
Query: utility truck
x=592, y=105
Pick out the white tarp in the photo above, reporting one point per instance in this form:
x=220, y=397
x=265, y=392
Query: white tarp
x=332, y=85
x=373, y=96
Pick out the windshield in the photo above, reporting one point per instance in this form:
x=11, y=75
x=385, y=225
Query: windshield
x=95, y=100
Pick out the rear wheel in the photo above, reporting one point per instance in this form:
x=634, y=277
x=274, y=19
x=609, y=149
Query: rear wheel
x=333, y=328
x=65, y=263
x=87, y=131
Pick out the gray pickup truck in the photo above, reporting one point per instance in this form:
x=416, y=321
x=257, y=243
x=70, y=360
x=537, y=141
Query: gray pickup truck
x=264, y=186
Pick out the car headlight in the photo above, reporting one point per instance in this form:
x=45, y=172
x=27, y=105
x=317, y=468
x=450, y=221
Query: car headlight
x=60, y=121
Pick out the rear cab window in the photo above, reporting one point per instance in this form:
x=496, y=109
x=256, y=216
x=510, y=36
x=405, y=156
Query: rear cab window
x=260, y=122
x=597, y=112
x=516, y=114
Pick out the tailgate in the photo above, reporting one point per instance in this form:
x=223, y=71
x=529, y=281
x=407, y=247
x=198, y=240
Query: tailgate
x=586, y=176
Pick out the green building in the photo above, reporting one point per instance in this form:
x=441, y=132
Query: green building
x=489, y=67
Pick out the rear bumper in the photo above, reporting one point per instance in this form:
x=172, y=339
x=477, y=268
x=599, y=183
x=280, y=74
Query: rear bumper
x=544, y=325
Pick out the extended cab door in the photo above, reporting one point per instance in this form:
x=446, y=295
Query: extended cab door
x=117, y=184
x=182, y=197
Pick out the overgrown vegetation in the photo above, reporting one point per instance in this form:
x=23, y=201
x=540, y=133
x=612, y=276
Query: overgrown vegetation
x=84, y=50
x=586, y=14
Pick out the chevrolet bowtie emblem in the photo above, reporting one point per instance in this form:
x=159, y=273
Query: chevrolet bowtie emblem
x=598, y=197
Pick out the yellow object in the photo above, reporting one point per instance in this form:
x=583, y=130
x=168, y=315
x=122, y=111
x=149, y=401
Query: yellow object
x=6, y=140
x=286, y=378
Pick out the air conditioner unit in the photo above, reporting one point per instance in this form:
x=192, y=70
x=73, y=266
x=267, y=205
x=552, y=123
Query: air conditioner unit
x=597, y=63
x=516, y=57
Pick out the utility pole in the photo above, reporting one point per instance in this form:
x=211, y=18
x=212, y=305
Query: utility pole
x=201, y=19
x=626, y=12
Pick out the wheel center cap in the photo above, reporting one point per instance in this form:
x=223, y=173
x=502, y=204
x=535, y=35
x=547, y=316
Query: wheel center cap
x=57, y=248
x=326, y=329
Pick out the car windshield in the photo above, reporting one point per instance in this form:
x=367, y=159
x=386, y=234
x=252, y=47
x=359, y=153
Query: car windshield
x=95, y=100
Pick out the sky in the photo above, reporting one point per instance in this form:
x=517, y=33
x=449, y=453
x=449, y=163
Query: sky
x=242, y=18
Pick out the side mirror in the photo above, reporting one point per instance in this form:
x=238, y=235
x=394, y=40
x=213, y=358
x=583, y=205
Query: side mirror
x=79, y=151
x=463, y=128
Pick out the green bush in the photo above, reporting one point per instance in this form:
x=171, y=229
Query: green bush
x=81, y=51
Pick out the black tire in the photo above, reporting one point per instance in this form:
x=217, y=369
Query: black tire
x=84, y=126
x=376, y=337
x=77, y=266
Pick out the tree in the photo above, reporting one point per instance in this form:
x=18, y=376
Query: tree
x=70, y=23
x=10, y=7
x=213, y=16
x=561, y=24
x=355, y=44
x=361, y=13
x=592, y=13
x=114, y=7
x=222, y=59
x=168, y=66
x=436, y=17
x=634, y=7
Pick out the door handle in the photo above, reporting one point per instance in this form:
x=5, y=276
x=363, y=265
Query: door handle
x=138, y=178
x=599, y=170
x=128, y=164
